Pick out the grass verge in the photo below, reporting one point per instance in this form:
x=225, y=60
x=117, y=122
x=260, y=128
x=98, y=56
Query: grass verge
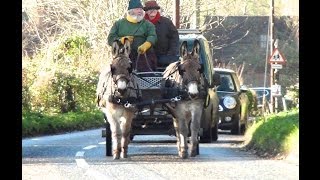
x=35, y=124
x=275, y=135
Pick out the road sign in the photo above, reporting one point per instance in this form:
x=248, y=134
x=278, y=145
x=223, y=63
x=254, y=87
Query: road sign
x=276, y=66
x=276, y=90
x=277, y=57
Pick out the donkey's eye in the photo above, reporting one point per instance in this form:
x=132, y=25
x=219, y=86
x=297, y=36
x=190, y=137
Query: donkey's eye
x=181, y=71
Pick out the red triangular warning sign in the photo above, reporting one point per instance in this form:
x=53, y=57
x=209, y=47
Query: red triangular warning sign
x=277, y=57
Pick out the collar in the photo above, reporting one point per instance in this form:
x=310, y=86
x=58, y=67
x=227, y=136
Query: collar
x=130, y=19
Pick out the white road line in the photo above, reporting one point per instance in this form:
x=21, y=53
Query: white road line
x=90, y=172
x=90, y=147
x=103, y=142
x=80, y=154
x=82, y=163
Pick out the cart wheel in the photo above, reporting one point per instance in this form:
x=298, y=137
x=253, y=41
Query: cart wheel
x=198, y=151
x=108, y=140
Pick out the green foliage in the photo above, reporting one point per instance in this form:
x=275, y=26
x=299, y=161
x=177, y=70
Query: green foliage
x=60, y=92
x=57, y=86
x=34, y=124
x=276, y=135
x=253, y=101
x=27, y=79
x=293, y=94
x=73, y=50
x=76, y=45
x=74, y=94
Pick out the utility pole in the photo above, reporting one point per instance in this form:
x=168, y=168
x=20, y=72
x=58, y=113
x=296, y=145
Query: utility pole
x=195, y=22
x=176, y=13
x=271, y=52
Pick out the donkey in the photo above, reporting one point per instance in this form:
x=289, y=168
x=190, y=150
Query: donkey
x=186, y=78
x=116, y=87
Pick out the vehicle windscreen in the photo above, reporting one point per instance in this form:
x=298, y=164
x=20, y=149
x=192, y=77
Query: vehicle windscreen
x=226, y=83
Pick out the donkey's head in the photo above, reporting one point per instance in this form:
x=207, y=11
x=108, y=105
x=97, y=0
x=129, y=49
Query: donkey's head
x=190, y=68
x=121, y=66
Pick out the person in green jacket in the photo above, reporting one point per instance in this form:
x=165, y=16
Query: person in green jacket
x=140, y=32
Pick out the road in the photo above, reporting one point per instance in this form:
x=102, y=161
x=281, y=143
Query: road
x=81, y=156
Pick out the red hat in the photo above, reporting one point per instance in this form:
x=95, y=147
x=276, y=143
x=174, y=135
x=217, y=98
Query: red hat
x=151, y=5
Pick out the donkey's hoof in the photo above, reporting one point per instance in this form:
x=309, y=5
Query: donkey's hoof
x=116, y=155
x=193, y=153
x=124, y=155
x=183, y=155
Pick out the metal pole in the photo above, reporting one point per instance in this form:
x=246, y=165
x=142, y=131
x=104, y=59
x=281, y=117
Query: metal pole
x=176, y=13
x=271, y=52
x=196, y=19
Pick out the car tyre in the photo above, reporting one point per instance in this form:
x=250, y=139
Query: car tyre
x=236, y=127
x=244, y=126
x=131, y=137
x=215, y=132
x=108, y=139
x=206, y=136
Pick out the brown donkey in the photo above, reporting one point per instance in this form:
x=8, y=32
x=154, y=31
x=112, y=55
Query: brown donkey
x=186, y=75
x=116, y=87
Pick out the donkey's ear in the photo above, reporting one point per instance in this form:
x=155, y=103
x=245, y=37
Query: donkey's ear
x=127, y=48
x=115, y=48
x=183, y=50
x=196, y=49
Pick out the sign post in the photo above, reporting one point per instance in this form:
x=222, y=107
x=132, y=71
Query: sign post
x=276, y=61
x=277, y=57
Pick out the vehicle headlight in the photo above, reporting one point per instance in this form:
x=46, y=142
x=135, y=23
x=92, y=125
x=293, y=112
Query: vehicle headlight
x=229, y=102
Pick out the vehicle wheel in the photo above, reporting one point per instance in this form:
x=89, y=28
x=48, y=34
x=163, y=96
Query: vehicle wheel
x=215, y=132
x=245, y=125
x=236, y=127
x=206, y=136
x=131, y=137
x=108, y=140
x=198, y=150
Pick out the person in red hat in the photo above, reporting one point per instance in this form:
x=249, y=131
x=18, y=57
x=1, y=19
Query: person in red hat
x=166, y=48
x=140, y=32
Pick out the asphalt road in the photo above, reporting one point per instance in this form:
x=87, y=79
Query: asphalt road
x=81, y=155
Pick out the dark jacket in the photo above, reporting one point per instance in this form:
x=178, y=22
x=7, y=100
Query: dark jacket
x=168, y=37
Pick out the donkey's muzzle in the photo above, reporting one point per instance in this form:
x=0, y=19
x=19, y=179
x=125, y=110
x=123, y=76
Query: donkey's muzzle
x=193, y=96
x=122, y=91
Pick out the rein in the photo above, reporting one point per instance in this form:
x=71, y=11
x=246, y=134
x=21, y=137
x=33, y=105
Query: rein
x=138, y=58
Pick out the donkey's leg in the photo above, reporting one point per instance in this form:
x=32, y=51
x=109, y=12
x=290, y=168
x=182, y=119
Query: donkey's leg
x=115, y=131
x=176, y=127
x=125, y=139
x=183, y=134
x=116, y=135
x=195, y=126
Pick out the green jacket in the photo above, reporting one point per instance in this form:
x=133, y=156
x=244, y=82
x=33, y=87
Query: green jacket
x=142, y=31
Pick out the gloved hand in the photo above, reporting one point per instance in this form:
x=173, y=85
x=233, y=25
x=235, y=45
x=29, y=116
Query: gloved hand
x=130, y=38
x=144, y=47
